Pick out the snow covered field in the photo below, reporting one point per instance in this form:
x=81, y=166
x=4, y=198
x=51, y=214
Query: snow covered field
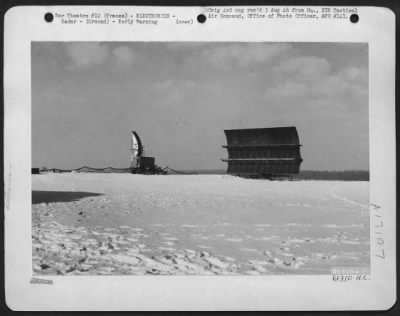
x=123, y=224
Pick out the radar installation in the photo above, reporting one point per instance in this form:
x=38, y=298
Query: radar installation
x=139, y=162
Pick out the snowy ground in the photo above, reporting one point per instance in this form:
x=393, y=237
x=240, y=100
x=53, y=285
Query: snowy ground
x=196, y=224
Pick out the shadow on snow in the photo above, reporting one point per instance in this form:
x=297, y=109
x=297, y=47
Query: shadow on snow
x=59, y=196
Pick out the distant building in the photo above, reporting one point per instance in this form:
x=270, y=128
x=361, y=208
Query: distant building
x=263, y=152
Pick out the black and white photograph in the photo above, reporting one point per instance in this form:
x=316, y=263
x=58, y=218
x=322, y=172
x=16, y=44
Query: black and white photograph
x=199, y=158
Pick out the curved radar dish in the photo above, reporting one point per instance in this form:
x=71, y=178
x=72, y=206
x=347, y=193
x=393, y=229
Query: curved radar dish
x=136, y=145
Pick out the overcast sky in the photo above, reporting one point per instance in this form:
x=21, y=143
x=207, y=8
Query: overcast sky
x=179, y=97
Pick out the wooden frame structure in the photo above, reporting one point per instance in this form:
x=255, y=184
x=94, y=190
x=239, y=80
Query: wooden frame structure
x=263, y=152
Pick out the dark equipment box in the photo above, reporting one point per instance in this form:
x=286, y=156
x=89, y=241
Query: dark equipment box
x=143, y=163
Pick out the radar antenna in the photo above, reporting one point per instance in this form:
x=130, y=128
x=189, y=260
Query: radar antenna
x=136, y=146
